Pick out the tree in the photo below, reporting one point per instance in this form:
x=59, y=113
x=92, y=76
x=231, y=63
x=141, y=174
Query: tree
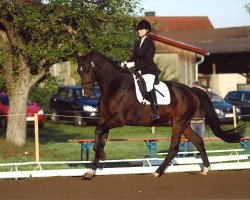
x=35, y=35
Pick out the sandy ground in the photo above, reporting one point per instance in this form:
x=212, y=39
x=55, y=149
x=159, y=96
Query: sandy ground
x=216, y=185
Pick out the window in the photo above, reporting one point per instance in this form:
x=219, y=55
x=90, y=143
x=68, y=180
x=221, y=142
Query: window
x=234, y=96
x=62, y=93
x=5, y=100
x=246, y=96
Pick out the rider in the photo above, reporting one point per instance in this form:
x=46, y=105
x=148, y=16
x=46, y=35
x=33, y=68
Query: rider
x=142, y=60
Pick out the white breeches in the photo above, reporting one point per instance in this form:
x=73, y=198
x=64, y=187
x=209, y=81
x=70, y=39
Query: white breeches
x=149, y=79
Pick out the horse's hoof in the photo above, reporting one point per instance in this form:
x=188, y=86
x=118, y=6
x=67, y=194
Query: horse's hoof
x=206, y=170
x=155, y=174
x=87, y=176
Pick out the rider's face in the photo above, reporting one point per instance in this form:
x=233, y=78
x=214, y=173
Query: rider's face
x=142, y=32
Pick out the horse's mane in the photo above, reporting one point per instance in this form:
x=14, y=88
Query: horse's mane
x=110, y=60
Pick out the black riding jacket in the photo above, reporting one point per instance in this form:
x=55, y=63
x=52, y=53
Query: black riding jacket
x=143, y=57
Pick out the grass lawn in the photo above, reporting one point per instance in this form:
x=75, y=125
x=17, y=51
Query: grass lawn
x=54, y=144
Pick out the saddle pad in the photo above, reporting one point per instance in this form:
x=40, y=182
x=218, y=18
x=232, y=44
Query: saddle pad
x=163, y=98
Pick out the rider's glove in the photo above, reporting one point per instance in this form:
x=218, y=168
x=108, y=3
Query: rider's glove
x=123, y=64
x=130, y=64
x=131, y=67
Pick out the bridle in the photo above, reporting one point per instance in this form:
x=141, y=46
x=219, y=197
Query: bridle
x=92, y=82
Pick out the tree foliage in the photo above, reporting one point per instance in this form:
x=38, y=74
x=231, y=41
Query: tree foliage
x=35, y=35
x=56, y=31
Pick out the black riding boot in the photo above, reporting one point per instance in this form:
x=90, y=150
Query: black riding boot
x=154, y=105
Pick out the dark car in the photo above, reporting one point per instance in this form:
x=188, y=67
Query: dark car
x=32, y=108
x=223, y=109
x=69, y=104
x=240, y=98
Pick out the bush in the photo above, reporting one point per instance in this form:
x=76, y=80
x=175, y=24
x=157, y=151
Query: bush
x=43, y=92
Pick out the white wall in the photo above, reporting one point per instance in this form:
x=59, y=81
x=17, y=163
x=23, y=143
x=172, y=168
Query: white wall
x=222, y=83
x=63, y=71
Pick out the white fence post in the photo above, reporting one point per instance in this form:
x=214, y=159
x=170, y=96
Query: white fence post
x=234, y=115
x=36, y=138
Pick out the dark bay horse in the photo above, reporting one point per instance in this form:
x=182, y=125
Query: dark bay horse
x=118, y=105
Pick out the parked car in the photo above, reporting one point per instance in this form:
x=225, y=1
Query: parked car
x=69, y=104
x=32, y=108
x=240, y=98
x=223, y=109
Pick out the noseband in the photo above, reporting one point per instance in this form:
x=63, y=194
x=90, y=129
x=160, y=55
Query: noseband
x=95, y=72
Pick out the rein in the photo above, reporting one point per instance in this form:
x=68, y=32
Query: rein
x=92, y=82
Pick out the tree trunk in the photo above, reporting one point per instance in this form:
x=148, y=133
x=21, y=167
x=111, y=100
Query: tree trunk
x=16, y=128
x=18, y=80
x=18, y=98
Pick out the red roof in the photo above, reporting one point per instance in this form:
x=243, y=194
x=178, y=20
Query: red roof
x=167, y=24
x=223, y=40
x=178, y=44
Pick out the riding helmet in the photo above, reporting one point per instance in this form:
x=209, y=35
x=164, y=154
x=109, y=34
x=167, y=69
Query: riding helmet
x=143, y=24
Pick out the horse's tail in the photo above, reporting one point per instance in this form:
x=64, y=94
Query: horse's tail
x=231, y=135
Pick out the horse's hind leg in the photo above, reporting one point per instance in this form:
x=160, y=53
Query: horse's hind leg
x=178, y=127
x=173, y=150
x=177, y=130
x=191, y=135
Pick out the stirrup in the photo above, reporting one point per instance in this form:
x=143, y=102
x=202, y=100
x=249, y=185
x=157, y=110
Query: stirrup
x=155, y=117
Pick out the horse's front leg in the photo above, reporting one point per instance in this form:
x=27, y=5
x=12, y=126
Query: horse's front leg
x=101, y=136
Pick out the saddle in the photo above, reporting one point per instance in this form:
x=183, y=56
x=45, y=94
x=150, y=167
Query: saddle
x=162, y=93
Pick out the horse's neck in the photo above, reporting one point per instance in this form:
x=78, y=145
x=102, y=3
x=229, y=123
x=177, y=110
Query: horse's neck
x=106, y=72
x=110, y=75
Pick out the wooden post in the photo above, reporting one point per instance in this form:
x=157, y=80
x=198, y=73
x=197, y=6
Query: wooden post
x=234, y=116
x=36, y=138
x=153, y=129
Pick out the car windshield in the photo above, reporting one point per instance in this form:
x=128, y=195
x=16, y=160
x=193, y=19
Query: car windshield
x=5, y=100
x=246, y=96
x=96, y=93
x=216, y=98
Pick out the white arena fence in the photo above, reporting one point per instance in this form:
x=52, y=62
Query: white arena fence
x=137, y=166
x=234, y=161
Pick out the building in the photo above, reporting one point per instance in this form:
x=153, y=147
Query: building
x=219, y=58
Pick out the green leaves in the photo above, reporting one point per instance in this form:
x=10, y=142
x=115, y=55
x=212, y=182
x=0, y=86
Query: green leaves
x=63, y=28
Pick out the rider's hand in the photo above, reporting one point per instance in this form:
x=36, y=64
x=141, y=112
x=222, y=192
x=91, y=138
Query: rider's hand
x=123, y=64
x=131, y=67
x=130, y=64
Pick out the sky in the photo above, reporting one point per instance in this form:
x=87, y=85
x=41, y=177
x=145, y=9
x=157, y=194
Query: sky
x=222, y=13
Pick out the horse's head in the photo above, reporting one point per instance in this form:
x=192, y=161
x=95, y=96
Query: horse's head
x=86, y=70
x=95, y=67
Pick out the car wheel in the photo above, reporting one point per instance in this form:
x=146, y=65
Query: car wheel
x=3, y=123
x=54, y=117
x=78, y=121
